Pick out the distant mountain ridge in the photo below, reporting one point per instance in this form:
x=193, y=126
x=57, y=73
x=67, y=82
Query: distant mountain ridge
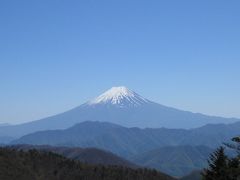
x=119, y=105
x=128, y=142
x=146, y=147
x=175, y=160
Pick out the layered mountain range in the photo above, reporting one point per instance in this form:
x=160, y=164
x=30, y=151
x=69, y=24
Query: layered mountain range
x=132, y=127
x=173, y=151
x=128, y=142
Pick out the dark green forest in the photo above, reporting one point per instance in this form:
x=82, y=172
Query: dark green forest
x=222, y=167
x=35, y=165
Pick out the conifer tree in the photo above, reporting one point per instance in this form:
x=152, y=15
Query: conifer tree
x=234, y=163
x=221, y=167
x=218, y=166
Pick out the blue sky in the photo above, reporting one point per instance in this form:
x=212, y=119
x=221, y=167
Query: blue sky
x=55, y=55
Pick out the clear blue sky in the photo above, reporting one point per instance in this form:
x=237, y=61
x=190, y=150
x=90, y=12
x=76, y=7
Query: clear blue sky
x=56, y=54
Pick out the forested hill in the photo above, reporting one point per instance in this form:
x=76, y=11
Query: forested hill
x=34, y=165
x=87, y=155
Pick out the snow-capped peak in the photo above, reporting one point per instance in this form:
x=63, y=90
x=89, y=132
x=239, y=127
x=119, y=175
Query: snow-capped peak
x=120, y=96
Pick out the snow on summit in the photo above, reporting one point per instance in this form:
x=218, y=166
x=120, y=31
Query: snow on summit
x=120, y=96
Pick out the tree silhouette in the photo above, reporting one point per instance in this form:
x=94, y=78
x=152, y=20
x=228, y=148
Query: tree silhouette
x=218, y=166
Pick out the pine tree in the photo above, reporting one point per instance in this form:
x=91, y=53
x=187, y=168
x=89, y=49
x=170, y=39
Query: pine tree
x=218, y=166
x=235, y=145
x=234, y=163
x=234, y=169
x=221, y=167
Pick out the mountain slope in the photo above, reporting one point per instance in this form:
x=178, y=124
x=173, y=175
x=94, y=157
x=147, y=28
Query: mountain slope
x=135, y=142
x=121, y=106
x=175, y=160
x=88, y=155
x=117, y=139
x=195, y=175
x=49, y=166
x=128, y=142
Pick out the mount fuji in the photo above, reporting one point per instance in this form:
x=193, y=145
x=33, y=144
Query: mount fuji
x=120, y=97
x=121, y=106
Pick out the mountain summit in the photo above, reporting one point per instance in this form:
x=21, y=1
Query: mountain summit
x=119, y=96
x=121, y=106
